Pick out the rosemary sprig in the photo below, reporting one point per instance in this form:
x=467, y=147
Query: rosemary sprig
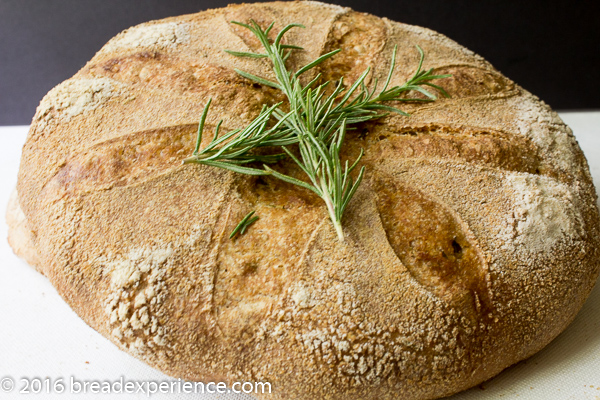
x=231, y=150
x=244, y=224
x=316, y=122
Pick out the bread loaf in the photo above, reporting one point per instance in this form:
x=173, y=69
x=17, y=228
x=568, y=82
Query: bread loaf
x=471, y=243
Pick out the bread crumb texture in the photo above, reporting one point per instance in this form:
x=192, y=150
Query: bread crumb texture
x=471, y=243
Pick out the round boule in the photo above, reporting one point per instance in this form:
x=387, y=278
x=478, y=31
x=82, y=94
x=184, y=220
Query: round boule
x=472, y=242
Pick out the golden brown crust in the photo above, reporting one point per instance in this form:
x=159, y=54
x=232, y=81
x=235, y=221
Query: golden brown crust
x=471, y=244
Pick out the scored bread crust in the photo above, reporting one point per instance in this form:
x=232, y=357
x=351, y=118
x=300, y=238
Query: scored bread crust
x=471, y=243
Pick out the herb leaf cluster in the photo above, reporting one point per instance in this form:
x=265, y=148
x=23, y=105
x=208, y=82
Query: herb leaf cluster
x=316, y=122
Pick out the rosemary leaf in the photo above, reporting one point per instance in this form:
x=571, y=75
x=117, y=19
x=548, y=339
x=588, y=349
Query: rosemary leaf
x=245, y=54
x=243, y=224
x=258, y=79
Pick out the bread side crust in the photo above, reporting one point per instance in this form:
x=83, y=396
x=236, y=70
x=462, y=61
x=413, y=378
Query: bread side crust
x=20, y=238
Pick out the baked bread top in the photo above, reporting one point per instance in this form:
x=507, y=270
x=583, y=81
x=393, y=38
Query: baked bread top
x=471, y=243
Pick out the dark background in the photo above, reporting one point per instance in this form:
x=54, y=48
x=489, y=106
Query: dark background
x=550, y=48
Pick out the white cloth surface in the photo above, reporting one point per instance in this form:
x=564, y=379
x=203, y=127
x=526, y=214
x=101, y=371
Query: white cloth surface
x=40, y=337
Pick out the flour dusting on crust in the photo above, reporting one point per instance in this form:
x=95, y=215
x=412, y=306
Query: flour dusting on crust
x=545, y=128
x=544, y=211
x=74, y=97
x=149, y=36
x=137, y=291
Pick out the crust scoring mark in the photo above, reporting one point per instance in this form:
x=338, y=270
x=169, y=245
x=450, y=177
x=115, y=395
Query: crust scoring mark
x=434, y=244
x=461, y=144
x=346, y=33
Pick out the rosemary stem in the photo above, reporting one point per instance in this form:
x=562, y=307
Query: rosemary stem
x=337, y=223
